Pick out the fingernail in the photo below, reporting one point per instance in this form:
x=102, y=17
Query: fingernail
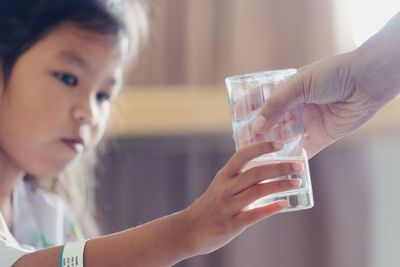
x=283, y=204
x=277, y=146
x=297, y=166
x=295, y=182
x=258, y=124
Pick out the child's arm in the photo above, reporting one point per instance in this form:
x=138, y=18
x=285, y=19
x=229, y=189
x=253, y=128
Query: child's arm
x=208, y=224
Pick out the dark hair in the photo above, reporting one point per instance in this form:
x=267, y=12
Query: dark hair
x=24, y=22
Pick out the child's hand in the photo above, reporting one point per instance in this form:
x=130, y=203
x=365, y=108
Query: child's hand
x=220, y=214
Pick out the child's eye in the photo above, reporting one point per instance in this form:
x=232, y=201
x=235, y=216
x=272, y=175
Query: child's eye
x=68, y=79
x=102, y=97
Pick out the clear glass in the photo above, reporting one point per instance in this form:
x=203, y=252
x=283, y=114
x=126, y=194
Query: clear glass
x=247, y=94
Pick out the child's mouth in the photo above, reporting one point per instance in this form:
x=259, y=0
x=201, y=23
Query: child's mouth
x=76, y=144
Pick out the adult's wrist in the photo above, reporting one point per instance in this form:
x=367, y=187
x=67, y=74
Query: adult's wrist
x=377, y=63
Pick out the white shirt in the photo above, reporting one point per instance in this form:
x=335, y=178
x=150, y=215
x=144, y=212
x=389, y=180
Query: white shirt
x=41, y=220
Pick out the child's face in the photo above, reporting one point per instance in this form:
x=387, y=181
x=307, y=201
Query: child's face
x=57, y=100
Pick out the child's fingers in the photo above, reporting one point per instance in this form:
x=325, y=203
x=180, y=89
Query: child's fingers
x=244, y=155
x=258, y=191
x=249, y=217
x=257, y=174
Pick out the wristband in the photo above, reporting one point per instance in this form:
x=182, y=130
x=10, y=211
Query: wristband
x=72, y=254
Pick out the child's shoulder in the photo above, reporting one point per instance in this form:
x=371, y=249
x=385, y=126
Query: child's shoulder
x=10, y=249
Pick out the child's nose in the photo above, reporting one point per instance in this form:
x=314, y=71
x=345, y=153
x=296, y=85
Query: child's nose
x=85, y=113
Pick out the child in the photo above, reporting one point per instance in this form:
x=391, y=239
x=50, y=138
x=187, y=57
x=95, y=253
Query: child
x=61, y=67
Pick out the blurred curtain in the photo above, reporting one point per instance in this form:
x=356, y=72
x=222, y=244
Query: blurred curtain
x=202, y=42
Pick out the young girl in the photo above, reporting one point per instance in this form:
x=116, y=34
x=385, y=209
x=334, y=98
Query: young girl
x=61, y=67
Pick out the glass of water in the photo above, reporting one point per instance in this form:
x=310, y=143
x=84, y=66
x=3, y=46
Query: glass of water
x=247, y=94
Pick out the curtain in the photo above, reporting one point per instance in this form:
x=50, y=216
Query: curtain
x=202, y=42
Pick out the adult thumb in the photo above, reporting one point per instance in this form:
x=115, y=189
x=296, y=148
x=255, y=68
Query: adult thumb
x=285, y=96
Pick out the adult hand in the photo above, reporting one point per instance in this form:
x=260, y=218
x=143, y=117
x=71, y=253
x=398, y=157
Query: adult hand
x=341, y=93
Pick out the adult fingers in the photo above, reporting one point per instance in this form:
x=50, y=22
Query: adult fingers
x=282, y=131
x=250, y=102
x=286, y=97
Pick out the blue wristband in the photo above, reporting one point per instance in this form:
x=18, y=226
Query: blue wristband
x=61, y=259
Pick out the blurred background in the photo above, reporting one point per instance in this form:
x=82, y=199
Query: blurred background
x=171, y=131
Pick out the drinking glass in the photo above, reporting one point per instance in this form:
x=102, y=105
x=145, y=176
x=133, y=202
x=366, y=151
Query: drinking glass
x=247, y=94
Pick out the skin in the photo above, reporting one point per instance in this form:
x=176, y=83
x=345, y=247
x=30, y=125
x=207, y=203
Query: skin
x=41, y=105
x=339, y=94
